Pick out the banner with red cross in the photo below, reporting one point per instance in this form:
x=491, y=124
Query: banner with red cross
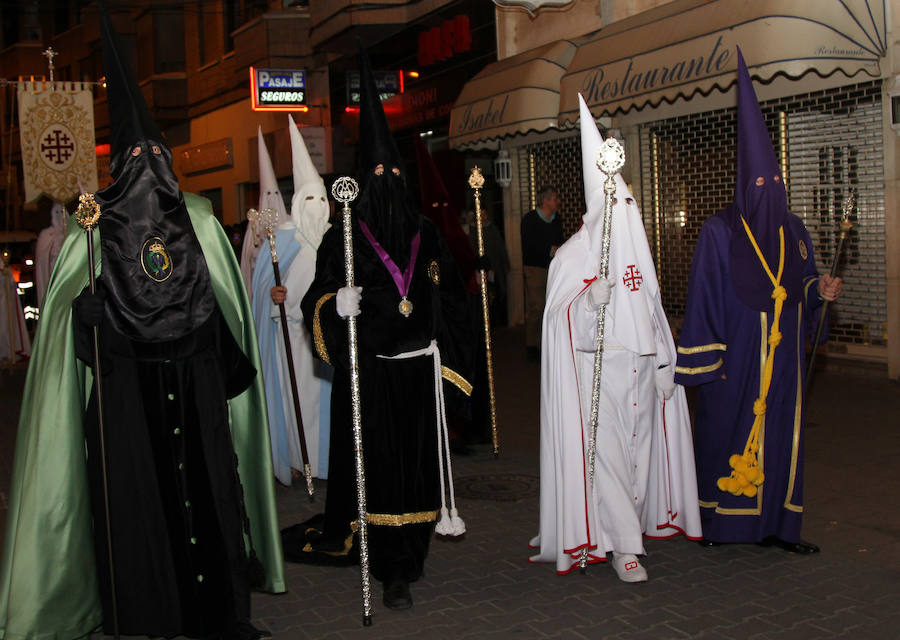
x=56, y=126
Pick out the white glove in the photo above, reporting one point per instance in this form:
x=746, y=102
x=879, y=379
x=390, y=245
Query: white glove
x=599, y=293
x=665, y=381
x=347, y=302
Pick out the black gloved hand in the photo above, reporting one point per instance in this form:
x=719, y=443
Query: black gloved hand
x=90, y=307
x=483, y=263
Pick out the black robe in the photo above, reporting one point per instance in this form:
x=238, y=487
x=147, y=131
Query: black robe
x=175, y=499
x=397, y=396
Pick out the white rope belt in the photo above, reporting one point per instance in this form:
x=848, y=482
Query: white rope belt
x=449, y=524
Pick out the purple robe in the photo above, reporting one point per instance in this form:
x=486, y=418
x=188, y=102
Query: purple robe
x=724, y=337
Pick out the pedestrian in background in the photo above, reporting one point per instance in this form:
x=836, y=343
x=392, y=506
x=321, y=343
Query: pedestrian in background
x=542, y=235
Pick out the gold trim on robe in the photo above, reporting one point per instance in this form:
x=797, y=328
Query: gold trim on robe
x=400, y=519
x=798, y=412
x=695, y=370
x=702, y=348
x=456, y=380
x=318, y=338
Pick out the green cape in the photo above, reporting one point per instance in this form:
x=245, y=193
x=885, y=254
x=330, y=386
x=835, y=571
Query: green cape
x=48, y=578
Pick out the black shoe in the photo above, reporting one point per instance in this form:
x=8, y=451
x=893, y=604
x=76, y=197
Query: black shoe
x=802, y=547
x=706, y=543
x=243, y=630
x=396, y=594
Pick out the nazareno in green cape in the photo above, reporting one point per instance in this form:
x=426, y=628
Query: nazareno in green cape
x=48, y=578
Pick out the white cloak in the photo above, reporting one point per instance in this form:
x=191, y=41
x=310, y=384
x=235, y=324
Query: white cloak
x=645, y=479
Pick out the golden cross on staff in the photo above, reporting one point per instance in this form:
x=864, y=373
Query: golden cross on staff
x=50, y=53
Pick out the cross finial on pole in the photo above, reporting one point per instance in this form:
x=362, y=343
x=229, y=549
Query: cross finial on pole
x=50, y=53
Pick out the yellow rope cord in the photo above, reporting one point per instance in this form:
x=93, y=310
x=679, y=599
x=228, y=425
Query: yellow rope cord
x=746, y=475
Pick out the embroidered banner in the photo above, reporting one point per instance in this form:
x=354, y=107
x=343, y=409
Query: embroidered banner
x=56, y=125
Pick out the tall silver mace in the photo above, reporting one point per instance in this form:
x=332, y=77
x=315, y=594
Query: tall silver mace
x=88, y=215
x=845, y=227
x=345, y=190
x=476, y=181
x=267, y=218
x=610, y=159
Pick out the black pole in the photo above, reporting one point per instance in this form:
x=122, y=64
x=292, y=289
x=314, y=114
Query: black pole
x=846, y=225
x=98, y=386
x=286, y=334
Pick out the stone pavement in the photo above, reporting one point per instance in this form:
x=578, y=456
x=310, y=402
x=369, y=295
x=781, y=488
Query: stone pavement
x=483, y=586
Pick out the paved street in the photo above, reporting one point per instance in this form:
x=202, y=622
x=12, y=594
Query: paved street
x=483, y=587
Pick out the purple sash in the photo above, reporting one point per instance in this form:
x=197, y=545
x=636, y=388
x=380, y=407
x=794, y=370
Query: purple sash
x=402, y=280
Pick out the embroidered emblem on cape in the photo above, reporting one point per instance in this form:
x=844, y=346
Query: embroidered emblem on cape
x=803, y=252
x=155, y=259
x=633, y=277
x=434, y=272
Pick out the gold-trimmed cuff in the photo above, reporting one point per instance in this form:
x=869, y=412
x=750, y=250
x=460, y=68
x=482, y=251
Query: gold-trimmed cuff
x=318, y=338
x=695, y=370
x=400, y=519
x=811, y=280
x=703, y=348
x=457, y=380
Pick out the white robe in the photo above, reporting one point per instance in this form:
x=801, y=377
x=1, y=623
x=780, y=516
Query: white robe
x=49, y=242
x=15, y=343
x=645, y=480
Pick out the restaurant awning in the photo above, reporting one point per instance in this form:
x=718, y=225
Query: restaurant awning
x=515, y=95
x=688, y=47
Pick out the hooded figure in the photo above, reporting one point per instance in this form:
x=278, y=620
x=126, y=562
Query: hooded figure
x=297, y=239
x=187, y=451
x=644, y=467
x=269, y=198
x=436, y=207
x=49, y=243
x=15, y=343
x=412, y=332
x=753, y=297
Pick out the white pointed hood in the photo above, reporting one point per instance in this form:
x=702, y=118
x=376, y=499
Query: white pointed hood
x=309, y=205
x=269, y=196
x=630, y=261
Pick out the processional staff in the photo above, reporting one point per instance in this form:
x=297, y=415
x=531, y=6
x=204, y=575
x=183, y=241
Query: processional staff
x=476, y=181
x=845, y=228
x=610, y=159
x=267, y=218
x=345, y=190
x=88, y=215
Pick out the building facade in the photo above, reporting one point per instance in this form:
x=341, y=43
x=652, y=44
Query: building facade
x=660, y=76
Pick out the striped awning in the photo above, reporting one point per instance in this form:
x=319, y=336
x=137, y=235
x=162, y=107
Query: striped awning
x=512, y=96
x=689, y=46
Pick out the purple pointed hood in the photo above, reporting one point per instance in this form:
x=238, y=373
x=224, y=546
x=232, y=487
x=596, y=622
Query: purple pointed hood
x=760, y=197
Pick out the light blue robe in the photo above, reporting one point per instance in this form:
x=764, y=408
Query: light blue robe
x=297, y=267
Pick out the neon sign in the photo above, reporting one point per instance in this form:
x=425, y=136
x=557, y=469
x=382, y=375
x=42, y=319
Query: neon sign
x=278, y=89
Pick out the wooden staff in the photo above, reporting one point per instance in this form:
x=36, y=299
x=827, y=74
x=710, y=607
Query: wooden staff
x=609, y=161
x=88, y=215
x=846, y=226
x=345, y=190
x=267, y=217
x=476, y=181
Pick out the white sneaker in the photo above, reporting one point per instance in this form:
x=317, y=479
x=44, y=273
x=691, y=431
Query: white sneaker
x=628, y=567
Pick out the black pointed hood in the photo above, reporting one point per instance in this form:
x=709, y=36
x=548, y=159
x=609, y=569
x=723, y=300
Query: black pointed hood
x=376, y=144
x=153, y=270
x=383, y=201
x=132, y=120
